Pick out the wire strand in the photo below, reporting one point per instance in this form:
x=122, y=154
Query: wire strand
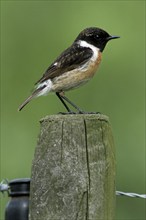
x=4, y=186
x=130, y=194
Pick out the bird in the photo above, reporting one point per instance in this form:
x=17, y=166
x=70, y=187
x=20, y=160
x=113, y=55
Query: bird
x=74, y=67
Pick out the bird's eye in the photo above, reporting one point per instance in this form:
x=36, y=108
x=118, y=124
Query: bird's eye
x=97, y=36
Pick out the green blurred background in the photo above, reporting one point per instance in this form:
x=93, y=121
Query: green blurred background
x=33, y=33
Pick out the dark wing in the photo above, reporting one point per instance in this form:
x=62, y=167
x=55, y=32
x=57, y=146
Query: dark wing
x=73, y=57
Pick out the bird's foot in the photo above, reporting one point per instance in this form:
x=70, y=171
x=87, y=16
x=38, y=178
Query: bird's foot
x=92, y=113
x=79, y=112
x=67, y=113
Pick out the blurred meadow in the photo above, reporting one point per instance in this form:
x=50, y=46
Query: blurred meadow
x=33, y=34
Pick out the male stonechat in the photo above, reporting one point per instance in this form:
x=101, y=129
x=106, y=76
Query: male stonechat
x=74, y=67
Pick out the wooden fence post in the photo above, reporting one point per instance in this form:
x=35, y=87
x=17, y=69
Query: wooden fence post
x=73, y=171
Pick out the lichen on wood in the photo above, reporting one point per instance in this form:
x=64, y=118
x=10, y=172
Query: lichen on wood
x=73, y=171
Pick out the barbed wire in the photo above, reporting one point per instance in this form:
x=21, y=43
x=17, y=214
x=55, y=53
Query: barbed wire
x=4, y=187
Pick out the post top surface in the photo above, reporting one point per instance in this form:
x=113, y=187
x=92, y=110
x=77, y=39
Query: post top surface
x=97, y=116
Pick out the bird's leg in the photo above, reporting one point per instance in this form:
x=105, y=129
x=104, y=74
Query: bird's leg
x=63, y=102
x=61, y=97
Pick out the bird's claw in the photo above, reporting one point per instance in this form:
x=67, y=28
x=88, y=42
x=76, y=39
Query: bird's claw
x=79, y=112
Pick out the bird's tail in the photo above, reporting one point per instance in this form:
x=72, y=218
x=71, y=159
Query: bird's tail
x=35, y=94
x=25, y=102
x=41, y=89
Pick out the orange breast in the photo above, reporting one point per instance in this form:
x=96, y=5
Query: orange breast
x=93, y=66
x=77, y=77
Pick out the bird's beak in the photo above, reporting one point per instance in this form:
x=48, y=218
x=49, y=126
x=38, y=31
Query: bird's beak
x=112, y=37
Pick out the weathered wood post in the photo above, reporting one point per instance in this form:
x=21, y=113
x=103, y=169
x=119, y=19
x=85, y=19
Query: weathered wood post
x=73, y=171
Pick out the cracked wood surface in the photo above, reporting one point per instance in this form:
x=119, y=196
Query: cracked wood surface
x=73, y=171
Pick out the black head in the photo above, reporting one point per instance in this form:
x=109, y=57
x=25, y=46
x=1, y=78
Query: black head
x=96, y=37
